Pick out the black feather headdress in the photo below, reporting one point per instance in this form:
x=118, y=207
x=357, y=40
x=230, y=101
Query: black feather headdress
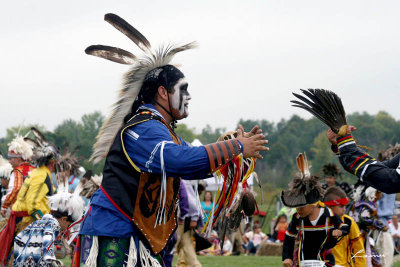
x=133, y=80
x=330, y=170
x=324, y=105
x=44, y=151
x=389, y=153
x=304, y=188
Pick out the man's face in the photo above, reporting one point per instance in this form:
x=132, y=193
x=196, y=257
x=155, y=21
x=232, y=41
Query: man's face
x=15, y=162
x=338, y=210
x=395, y=219
x=180, y=99
x=330, y=181
x=64, y=223
x=305, y=211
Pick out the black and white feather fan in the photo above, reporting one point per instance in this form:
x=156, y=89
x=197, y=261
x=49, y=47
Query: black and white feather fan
x=324, y=105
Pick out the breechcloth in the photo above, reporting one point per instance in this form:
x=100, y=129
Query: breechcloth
x=113, y=251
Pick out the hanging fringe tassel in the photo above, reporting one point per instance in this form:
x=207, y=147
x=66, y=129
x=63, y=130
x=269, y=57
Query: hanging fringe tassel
x=198, y=202
x=132, y=256
x=160, y=219
x=91, y=261
x=145, y=257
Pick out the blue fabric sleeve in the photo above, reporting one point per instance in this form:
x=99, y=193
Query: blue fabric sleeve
x=143, y=145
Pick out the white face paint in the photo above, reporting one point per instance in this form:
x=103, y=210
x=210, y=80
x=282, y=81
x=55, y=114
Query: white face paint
x=180, y=99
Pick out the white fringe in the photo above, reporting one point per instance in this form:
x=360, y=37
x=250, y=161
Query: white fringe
x=132, y=256
x=198, y=202
x=160, y=219
x=91, y=261
x=145, y=257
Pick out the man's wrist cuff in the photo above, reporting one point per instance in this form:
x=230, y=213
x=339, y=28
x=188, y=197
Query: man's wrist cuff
x=344, y=141
x=222, y=152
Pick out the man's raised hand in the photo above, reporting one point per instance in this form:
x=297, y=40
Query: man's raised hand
x=253, y=142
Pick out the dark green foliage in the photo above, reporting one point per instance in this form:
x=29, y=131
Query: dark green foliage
x=286, y=138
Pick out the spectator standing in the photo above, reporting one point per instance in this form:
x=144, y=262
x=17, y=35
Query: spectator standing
x=394, y=229
x=207, y=205
x=386, y=207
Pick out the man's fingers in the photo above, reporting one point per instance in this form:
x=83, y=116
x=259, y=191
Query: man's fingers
x=352, y=128
x=240, y=131
x=254, y=130
x=258, y=137
x=258, y=155
x=261, y=142
x=262, y=148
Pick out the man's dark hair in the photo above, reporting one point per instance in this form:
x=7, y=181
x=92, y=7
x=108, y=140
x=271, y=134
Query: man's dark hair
x=166, y=76
x=333, y=193
x=57, y=214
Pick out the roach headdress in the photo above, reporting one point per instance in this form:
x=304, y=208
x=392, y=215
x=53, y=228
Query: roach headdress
x=389, y=153
x=324, y=105
x=147, y=67
x=304, y=188
x=44, y=151
x=69, y=162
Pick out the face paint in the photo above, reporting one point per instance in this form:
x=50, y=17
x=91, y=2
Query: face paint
x=180, y=99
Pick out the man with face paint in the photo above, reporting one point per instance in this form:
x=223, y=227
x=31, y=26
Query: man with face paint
x=132, y=216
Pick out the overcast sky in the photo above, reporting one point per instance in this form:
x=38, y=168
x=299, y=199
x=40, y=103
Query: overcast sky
x=252, y=55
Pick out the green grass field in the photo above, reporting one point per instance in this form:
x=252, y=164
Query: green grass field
x=225, y=261
x=242, y=261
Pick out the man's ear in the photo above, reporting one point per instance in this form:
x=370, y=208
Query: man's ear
x=162, y=93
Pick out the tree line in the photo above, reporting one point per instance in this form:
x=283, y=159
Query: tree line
x=286, y=138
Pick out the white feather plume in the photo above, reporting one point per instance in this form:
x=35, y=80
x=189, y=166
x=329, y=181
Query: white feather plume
x=5, y=168
x=67, y=202
x=370, y=194
x=19, y=146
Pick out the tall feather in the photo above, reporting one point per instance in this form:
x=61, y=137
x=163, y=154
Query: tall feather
x=40, y=139
x=114, y=54
x=300, y=164
x=324, y=105
x=127, y=29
